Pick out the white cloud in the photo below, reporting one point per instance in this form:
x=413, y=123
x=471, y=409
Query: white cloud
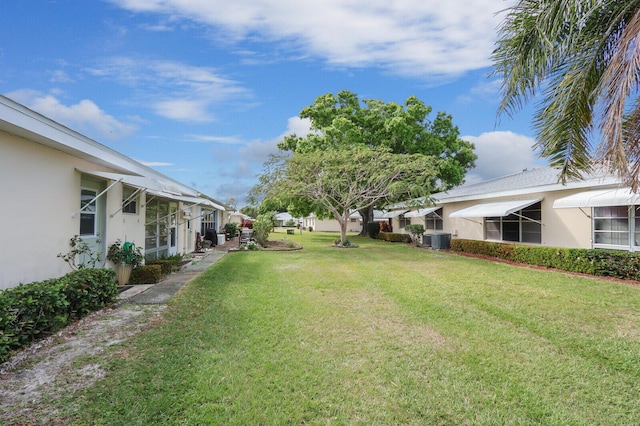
x=408, y=37
x=230, y=140
x=500, y=154
x=487, y=91
x=183, y=110
x=258, y=151
x=171, y=89
x=85, y=116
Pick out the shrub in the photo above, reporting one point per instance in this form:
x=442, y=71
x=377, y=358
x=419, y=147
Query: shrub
x=385, y=227
x=80, y=255
x=609, y=263
x=261, y=228
x=167, y=265
x=231, y=229
x=394, y=237
x=416, y=232
x=88, y=290
x=31, y=311
x=146, y=274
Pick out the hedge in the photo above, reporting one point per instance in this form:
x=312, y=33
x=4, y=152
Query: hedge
x=167, y=265
x=146, y=274
x=394, y=237
x=601, y=262
x=32, y=311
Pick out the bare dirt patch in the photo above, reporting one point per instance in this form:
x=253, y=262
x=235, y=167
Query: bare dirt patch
x=38, y=376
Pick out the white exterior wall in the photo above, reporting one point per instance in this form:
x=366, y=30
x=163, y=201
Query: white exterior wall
x=40, y=187
x=36, y=214
x=570, y=228
x=331, y=225
x=119, y=225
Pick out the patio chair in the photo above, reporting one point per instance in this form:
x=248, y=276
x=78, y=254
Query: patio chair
x=246, y=235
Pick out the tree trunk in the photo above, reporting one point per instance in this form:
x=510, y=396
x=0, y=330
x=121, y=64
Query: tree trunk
x=343, y=226
x=367, y=216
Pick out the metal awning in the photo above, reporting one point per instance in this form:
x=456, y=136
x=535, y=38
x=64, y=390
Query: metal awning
x=197, y=200
x=500, y=208
x=421, y=212
x=392, y=214
x=135, y=181
x=599, y=198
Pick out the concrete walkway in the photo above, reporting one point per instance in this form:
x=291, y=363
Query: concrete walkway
x=161, y=292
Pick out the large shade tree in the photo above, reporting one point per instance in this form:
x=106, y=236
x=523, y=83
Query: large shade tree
x=341, y=180
x=582, y=59
x=344, y=121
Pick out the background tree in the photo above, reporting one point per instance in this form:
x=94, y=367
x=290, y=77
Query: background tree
x=232, y=203
x=583, y=56
x=343, y=121
x=342, y=180
x=250, y=211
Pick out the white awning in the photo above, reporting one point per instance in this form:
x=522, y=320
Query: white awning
x=392, y=214
x=500, y=208
x=199, y=201
x=421, y=212
x=599, y=198
x=135, y=181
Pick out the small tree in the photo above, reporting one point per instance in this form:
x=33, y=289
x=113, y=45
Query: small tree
x=262, y=227
x=416, y=232
x=344, y=120
x=343, y=180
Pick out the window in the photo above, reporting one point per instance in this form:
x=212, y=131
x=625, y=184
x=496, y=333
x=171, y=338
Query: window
x=433, y=220
x=129, y=200
x=157, y=233
x=523, y=226
x=611, y=225
x=88, y=214
x=404, y=221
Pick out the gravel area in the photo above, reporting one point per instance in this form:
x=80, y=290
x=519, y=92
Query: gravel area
x=34, y=380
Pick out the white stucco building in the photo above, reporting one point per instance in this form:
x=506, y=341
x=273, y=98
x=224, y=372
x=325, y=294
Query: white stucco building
x=532, y=207
x=56, y=183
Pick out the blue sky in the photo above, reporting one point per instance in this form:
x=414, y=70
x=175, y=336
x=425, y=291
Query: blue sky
x=203, y=90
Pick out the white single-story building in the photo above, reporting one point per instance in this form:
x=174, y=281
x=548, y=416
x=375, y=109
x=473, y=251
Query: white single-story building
x=533, y=207
x=284, y=218
x=332, y=225
x=239, y=217
x=57, y=183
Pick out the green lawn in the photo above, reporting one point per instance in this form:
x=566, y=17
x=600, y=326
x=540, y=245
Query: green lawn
x=383, y=334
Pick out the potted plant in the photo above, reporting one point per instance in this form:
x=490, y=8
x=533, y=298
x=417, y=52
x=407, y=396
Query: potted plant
x=125, y=256
x=231, y=229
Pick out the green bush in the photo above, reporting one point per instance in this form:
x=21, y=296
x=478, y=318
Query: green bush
x=167, y=265
x=609, y=263
x=394, y=237
x=31, y=311
x=261, y=228
x=88, y=290
x=146, y=274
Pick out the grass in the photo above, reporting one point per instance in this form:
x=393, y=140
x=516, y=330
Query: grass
x=382, y=334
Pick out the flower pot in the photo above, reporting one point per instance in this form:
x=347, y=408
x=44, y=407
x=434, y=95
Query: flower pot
x=123, y=272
